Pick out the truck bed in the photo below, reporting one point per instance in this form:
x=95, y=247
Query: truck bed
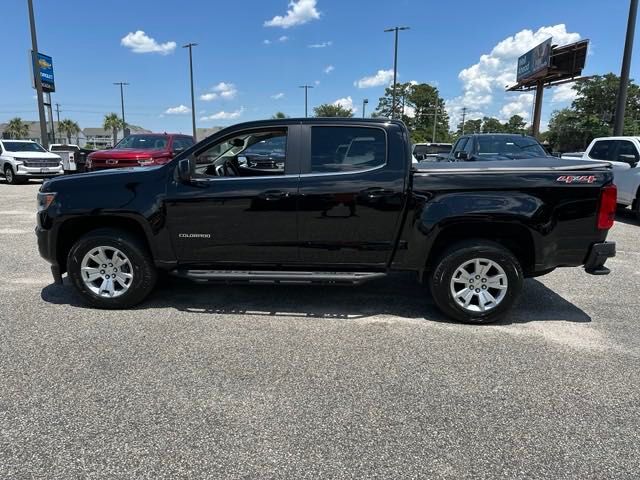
x=529, y=165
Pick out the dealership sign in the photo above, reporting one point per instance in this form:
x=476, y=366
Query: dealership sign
x=45, y=68
x=534, y=61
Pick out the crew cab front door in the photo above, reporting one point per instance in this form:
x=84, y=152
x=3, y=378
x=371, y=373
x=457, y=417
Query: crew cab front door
x=351, y=194
x=236, y=211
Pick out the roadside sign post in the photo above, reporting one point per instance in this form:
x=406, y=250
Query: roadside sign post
x=37, y=78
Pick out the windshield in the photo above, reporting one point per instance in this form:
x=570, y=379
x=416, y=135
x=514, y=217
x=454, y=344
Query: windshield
x=143, y=142
x=516, y=146
x=22, y=147
x=64, y=148
x=434, y=149
x=274, y=146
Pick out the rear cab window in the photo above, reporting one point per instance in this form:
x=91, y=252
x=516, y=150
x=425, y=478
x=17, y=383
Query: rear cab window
x=347, y=149
x=602, y=150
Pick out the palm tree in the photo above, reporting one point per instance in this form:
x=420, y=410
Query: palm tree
x=69, y=128
x=279, y=115
x=114, y=123
x=17, y=128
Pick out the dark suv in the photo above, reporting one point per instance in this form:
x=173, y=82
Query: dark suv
x=495, y=146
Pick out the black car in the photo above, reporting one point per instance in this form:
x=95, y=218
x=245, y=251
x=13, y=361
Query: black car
x=346, y=206
x=495, y=147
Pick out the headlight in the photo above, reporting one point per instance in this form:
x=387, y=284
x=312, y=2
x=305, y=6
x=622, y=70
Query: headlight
x=45, y=200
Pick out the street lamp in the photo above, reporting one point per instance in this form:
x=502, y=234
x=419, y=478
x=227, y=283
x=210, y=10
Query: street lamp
x=395, y=67
x=193, y=102
x=124, y=123
x=306, y=89
x=364, y=106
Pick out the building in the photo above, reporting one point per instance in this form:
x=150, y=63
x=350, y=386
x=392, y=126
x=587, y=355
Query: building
x=203, y=133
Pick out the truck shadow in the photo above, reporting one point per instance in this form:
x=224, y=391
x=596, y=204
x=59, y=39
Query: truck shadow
x=628, y=217
x=398, y=295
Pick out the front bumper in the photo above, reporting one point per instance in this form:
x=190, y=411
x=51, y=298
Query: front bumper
x=598, y=255
x=38, y=172
x=47, y=249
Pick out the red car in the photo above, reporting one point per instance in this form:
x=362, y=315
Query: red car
x=145, y=149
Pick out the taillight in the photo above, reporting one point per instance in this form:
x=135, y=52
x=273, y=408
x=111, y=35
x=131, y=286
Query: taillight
x=607, y=208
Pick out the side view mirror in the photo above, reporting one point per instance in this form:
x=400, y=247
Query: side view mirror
x=462, y=155
x=237, y=142
x=184, y=170
x=630, y=159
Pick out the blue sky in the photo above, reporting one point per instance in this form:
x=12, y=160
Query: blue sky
x=253, y=54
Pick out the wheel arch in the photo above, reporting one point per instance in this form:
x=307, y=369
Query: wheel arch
x=515, y=238
x=74, y=228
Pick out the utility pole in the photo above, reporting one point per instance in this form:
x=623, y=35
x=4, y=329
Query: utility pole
x=124, y=123
x=435, y=122
x=58, y=113
x=537, y=109
x=626, y=66
x=464, y=114
x=395, y=67
x=36, y=76
x=193, y=102
x=306, y=89
x=364, y=106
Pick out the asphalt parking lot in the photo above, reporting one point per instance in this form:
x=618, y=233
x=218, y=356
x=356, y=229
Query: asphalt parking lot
x=308, y=382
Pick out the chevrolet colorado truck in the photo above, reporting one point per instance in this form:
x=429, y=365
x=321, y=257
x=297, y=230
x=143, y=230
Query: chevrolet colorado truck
x=347, y=206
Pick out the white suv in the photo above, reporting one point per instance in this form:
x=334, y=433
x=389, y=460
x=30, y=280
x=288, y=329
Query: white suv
x=21, y=160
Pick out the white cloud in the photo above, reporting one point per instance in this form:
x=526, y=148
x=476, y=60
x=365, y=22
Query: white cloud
x=321, y=45
x=382, y=77
x=299, y=12
x=222, y=115
x=223, y=90
x=329, y=68
x=277, y=96
x=488, y=77
x=564, y=93
x=267, y=42
x=520, y=106
x=140, y=42
x=346, y=102
x=179, y=110
x=316, y=82
x=283, y=38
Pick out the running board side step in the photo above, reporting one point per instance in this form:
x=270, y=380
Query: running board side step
x=271, y=277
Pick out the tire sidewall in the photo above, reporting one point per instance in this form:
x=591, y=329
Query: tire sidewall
x=9, y=175
x=144, y=273
x=449, y=263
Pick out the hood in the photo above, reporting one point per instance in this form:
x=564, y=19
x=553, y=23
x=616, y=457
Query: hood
x=48, y=155
x=95, y=181
x=125, y=153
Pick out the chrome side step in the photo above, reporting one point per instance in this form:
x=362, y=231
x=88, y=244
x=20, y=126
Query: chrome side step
x=271, y=277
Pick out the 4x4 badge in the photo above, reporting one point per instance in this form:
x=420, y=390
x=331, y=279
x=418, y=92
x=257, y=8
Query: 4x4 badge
x=577, y=179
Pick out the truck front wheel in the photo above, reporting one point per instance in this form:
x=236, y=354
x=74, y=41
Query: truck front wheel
x=111, y=269
x=476, y=281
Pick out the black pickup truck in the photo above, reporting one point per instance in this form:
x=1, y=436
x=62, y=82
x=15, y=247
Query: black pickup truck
x=347, y=206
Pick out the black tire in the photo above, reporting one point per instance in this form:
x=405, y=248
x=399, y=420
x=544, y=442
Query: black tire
x=458, y=255
x=144, y=270
x=10, y=176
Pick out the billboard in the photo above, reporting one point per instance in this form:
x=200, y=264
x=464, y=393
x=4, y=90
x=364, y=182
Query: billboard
x=45, y=68
x=534, y=61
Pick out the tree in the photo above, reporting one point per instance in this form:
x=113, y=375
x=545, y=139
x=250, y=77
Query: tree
x=470, y=126
x=515, y=124
x=17, y=128
x=114, y=123
x=416, y=106
x=332, y=110
x=279, y=115
x=492, y=125
x=69, y=128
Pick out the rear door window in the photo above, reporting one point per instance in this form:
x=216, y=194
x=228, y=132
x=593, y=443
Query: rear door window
x=627, y=152
x=347, y=149
x=603, y=150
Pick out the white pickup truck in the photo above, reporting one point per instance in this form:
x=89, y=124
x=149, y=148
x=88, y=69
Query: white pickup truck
x=624, y=155
x=70, y=155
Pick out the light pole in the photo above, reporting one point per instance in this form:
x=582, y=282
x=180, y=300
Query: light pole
x=626, y=66
x=193, y=102
x=364, y=106
x=435, y=122
x=464, y=114
x=395, y=67
x=306, y=89
x=36, y=77
x=124, y=123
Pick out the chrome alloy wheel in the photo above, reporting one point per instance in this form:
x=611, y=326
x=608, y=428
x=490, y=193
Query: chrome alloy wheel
x=479, y=285
x=106, y=271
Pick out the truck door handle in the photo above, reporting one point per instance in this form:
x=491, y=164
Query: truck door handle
x=271, y=195
x=376, y=192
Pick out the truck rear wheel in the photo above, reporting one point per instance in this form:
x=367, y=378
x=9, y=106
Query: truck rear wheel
x=111, y=269
x=476, y=281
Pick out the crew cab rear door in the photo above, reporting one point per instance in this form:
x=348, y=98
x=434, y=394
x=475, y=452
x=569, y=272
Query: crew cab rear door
x=351, y=193
x=233, y=212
